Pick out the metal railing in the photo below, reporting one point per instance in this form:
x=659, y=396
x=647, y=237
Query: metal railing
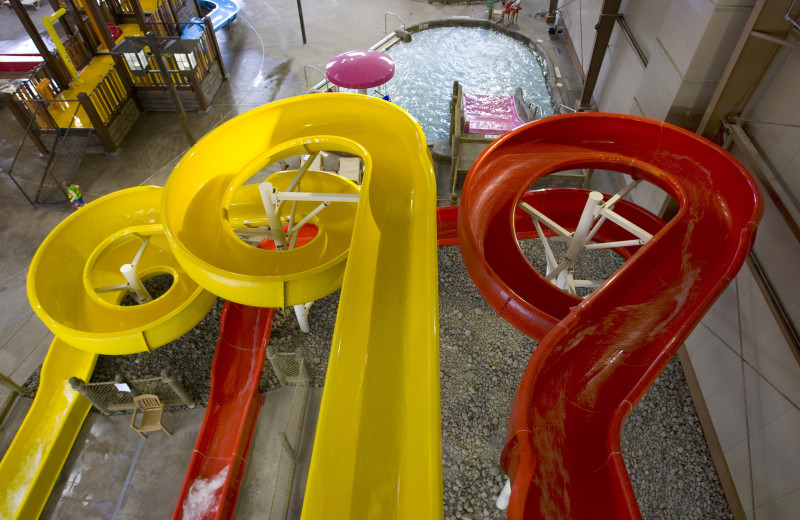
x=385, y=25
x=305, y=73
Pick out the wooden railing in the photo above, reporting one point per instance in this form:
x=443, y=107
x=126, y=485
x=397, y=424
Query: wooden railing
x=163, y=21
x=205, y=54
x=108, y=97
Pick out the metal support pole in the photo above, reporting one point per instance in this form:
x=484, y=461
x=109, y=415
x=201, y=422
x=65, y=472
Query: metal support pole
x=173, y=383
x=152, y=42
x=608, y=15
x=78, y=386
x=302, y=24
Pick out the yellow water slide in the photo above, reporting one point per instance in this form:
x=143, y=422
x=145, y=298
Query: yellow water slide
x=32, y=463
x=377, y=452
x=75, y=285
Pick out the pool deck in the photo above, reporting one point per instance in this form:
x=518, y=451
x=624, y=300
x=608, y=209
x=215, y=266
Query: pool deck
x=265, y=56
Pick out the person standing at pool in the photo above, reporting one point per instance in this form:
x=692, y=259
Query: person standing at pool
x=512, y=9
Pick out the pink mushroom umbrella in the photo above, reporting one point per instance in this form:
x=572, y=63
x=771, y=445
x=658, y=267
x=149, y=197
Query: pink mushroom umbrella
x=360, y=69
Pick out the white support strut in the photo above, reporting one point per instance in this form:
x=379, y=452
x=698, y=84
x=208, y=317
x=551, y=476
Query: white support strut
x=270, y=206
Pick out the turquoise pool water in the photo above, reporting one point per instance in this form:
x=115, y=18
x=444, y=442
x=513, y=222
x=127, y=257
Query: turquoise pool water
x=483, y=60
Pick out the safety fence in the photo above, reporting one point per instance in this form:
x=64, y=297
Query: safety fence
x=117, y=395
x=290, y=368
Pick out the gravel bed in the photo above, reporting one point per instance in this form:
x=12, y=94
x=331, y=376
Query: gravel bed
x=482, y=360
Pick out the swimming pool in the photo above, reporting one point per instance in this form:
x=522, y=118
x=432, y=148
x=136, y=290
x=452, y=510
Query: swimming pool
x=485, y=61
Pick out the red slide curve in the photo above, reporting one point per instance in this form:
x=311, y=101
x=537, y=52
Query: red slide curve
x=220, y=454
x=599, y=356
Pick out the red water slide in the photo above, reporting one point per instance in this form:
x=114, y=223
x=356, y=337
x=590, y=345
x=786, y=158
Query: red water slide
x=598, y=356
x=220, y=454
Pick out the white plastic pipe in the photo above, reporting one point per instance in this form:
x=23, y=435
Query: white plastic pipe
x=505, y=496
x=275, y=226
x=301, y=311
x=590, y=211
x=135, y=283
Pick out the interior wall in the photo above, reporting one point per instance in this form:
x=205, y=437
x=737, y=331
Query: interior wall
x=686, y=43
x=747, y=371
x=757, y=410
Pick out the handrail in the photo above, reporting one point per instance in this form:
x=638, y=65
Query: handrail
x=561, y=105
x=402, y=22
x=305, y=74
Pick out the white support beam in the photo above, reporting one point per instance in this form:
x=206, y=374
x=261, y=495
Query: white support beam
x=536, y=214
x=621, y=243
x=626, y=224
x=283, y=196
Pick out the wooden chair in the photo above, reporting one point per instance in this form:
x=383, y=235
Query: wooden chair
x=150, y=408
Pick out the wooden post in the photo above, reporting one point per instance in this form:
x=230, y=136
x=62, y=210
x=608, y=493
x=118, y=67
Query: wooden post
x=94, y=12
x=213, y=39
x=78, y=386
x=174, y=18
x=20, y=116
x=173, y=383
x=127, y=80
x=97, y=123
x=53, y=65
x=115, y=9
x=198, y=91
x=88, y=35
x=550, y=18
x=138, y=12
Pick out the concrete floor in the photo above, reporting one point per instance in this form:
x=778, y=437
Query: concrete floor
x=265, y=56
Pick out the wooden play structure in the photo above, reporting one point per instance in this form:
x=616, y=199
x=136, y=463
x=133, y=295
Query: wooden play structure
x=104, y=107
x=83, y=98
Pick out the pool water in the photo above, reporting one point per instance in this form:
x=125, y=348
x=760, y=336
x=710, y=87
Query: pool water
x=483, y=60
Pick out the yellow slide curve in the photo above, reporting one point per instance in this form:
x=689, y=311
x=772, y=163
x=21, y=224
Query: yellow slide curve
x=377, y=452
x=81, y=255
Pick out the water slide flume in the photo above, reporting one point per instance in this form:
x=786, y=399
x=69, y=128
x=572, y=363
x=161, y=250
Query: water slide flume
x=218, y=462
x=294, y=210
x=599, y=356
x=82, y=254
x=220, y=12
x=377, y=451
